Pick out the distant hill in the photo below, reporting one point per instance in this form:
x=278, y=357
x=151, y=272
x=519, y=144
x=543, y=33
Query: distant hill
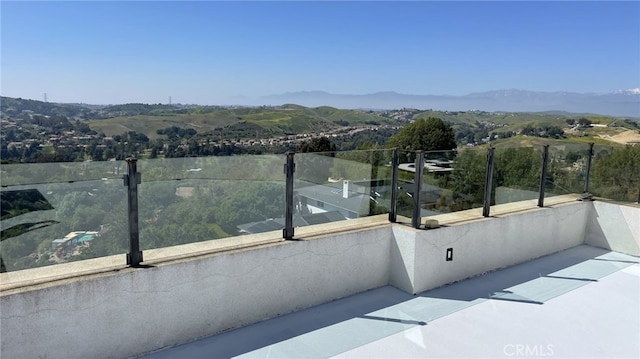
x=621, y=103
x=133, y=109
x=243, y=122
x=17, y=108
x=231, y=122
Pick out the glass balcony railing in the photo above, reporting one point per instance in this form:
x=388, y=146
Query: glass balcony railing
x=566, y=169
x=185, y=200
x=615, y=173
x=333, y=186
x=442, y=189
x=516, y=174
x=60, y=212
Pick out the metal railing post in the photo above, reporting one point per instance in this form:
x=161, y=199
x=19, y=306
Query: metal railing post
x=132, y=179
x=543, y=174
x=416, y=219
x=585, y=194
x=395, y=161
x=289, y=169
x=488, y=181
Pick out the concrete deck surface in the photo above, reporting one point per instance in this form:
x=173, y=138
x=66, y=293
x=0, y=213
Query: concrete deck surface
x=580, y=303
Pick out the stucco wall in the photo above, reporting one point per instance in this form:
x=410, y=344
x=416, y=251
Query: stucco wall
x=615, y=227
x=140, y=310
x=132, y=311
x=483, y=245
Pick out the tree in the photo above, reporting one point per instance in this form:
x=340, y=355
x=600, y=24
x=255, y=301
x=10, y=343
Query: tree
x=468, y=179
x=528, y=130
x=154, y=152
x=617, y=175
x=517, y=168
x=583, y=122
x=321, y=144
x=431, y=134
x=555, y=132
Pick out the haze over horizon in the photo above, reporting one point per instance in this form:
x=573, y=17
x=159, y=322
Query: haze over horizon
x=211, y=53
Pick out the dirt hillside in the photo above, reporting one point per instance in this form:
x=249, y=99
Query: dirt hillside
x=625, y=137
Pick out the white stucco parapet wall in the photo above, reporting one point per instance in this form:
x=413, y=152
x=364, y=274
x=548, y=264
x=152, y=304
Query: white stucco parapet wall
x=419, y=257
x=124, y=312
x=614, y=227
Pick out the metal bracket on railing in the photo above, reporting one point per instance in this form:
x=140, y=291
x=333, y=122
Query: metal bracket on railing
x=543, y=175
x=586, y=196
x=416, y=218
x=488, y=181
x=395, y=162
x=289, y=169
x=132, y=179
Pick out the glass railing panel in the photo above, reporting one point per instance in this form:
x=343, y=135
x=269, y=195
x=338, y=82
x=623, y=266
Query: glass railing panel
x=369, y=172
x=334, y=186
x=60, y=172
x=185, y=200
x=615, y=173
x=452, y=181
x=406, y=185
x=457, y=181
x=49, y=223
x=240, y=167
x=516, y=174
x=566, y=169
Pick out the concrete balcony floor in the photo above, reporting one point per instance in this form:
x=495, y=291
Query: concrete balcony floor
x=578, y=303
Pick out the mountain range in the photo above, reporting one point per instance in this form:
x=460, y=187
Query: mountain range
x=624, y=103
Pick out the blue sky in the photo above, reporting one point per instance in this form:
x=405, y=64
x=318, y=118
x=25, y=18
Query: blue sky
x=209, y=52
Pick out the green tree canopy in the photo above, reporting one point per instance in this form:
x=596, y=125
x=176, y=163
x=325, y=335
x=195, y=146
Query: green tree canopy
x=321, y=144
x=617, y=175
x=431, y=134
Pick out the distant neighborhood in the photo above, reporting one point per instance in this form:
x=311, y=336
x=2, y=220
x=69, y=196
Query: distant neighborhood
x=35, y=131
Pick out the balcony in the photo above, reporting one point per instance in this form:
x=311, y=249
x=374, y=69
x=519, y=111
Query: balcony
x=455, y=273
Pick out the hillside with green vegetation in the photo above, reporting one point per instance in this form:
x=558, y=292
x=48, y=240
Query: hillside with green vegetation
x=512, y=120
x=520, y=141
x=35, y=131
x=477, y=127
x=271, y=121
x=242, y=122
x=265, y=122
x=21, y=108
